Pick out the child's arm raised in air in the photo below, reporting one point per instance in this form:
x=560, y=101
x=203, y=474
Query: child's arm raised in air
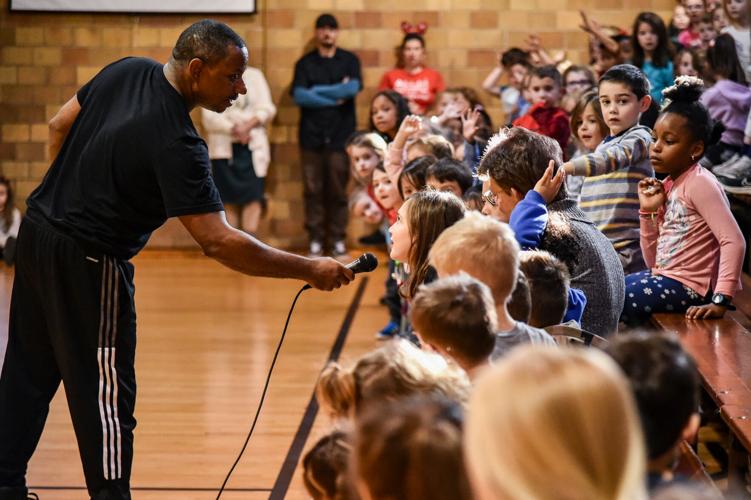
x=630, y=150
x=393, y=163
x=651, y=202
x=530, y=216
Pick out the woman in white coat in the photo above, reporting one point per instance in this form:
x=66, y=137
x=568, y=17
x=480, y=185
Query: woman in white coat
x=239, y=151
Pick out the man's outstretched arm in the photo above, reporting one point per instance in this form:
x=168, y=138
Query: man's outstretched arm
x=241, y=252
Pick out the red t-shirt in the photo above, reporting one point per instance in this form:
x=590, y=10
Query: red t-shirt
x=552, y=122
x=419, y=88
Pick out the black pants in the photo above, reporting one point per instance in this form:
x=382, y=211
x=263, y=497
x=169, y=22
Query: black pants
x=325, y=175
x=72, y=318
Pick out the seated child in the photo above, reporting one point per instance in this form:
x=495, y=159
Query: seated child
x=456, y=317
x=515, y=162
x=516, y=64
x=614, y=170
x=411, y=449
x=487, y=250
x=422, y=218
x=728, y=102
x=588, y=129
x=577, y=81
x=412, y=141
x=548, y=280
x=412, y=178
x=691, y=242
x=665, y=383
x=326, y=468
x=707, y=31
x=449, y=175
x=690, y=37
x=545, y=116
x=395, y=370
x=548, y=424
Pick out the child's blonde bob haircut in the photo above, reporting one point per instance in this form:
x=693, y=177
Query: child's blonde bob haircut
x=554, y=423
x=481, y=247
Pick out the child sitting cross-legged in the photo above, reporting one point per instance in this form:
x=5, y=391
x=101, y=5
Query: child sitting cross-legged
x=456, y=317
x=487, y=250
x=690, y=240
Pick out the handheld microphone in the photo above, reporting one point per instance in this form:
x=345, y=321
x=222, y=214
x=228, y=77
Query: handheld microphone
x=365, y=263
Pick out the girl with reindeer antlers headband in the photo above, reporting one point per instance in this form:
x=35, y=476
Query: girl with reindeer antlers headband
x=411, y=78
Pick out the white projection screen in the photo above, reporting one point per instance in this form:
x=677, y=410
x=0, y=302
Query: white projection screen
x=138, y=6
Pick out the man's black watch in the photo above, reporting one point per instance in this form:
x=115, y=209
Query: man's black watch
x=719, y=299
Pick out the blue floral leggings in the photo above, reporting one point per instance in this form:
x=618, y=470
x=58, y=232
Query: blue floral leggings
x=647, y=293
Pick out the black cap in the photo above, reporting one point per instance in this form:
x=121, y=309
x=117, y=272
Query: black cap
x=327, y=21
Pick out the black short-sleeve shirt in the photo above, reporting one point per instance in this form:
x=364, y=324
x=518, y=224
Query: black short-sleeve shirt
x=131, y=160
x=327, y=127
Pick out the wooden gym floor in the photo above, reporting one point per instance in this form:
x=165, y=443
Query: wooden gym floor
x=206, y=336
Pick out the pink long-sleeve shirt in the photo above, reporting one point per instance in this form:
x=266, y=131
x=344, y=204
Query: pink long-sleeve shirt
x=695, y=239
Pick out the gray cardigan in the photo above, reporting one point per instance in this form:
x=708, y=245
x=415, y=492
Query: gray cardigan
x=597, y=272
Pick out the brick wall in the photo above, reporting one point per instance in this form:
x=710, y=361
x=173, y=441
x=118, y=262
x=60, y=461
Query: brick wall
x=45, y=58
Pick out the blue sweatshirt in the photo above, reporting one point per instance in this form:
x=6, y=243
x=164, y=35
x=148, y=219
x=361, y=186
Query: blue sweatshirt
x=528, y=220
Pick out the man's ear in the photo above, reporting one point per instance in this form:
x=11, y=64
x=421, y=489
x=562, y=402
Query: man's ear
x=644, y=103
x=516, y=195
x=195, y=66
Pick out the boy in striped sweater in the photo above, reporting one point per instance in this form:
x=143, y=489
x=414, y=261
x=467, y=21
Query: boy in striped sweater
x=609, y=195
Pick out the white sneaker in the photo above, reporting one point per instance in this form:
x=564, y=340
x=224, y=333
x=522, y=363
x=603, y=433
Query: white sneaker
x=734, y=174
x=316, y=249
x=734, y=158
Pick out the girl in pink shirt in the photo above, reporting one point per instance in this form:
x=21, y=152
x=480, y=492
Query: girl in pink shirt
x=689, y=238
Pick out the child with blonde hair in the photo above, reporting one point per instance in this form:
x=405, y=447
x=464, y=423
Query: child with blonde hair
x=554, y=424
x=487, y=250
x=395, y=370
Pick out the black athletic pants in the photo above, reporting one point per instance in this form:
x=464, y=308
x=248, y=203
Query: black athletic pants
x=72, y=318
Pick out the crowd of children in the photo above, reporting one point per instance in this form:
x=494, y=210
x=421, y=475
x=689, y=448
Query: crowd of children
x=603, y=200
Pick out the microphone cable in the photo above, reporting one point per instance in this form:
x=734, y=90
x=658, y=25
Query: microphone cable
x=263, y=394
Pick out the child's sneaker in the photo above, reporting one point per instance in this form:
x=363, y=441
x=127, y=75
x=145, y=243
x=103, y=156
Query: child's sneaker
x=733, y=158
x=735, y=173
x=316, y=249
x=389, y=331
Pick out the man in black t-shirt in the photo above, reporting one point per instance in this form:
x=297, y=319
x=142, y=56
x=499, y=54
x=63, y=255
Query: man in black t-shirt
x=126, y=157
x=326, y=81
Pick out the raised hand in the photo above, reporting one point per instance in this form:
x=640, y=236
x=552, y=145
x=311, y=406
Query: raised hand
x=549, y=184
x=410, y=126
x=651, y=194
x=470, y=124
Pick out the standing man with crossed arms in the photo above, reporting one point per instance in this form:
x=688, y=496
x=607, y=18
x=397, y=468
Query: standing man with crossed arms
x=126, y=157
